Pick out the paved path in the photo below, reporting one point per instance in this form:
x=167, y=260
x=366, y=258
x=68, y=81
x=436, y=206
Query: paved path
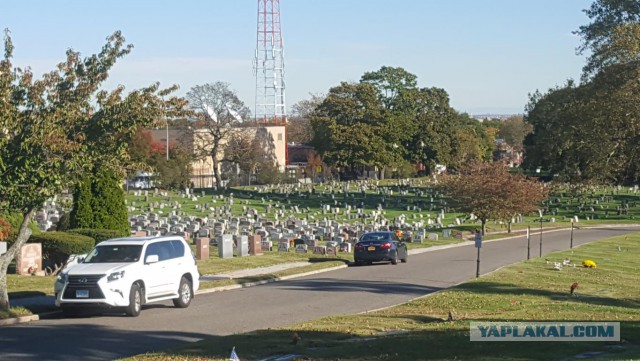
x=345, y=291
x=254, y=271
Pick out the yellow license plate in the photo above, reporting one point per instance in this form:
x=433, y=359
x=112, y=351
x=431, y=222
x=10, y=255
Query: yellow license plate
x=371, y=248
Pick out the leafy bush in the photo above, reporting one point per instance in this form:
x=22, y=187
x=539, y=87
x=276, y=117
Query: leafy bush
x=82, y=213
x=98, y=235
x=57, y=246
x=64, y=223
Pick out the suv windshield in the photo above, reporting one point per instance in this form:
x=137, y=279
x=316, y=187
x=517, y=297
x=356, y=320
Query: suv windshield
x=114, y=253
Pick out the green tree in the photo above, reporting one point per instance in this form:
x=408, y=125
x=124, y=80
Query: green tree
x=513, y=130
x=53, y=130
x=588, y=132
x=612, y=37
x=351, y=130
x=490, y=191
x=175, y=172
x=107, y=201
x=390, y=82
x=82, y=211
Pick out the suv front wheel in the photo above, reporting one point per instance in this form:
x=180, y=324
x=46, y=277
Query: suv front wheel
x=135, y=301
x=185, y=294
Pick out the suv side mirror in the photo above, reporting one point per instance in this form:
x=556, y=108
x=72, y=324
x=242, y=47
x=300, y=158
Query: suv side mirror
x=152, y=258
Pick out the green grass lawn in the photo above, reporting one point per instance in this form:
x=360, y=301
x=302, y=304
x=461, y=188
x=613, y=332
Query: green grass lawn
x=527, y=291
x=29, y=286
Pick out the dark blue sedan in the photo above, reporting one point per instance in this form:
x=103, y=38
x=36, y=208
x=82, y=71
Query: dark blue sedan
x=380, y=247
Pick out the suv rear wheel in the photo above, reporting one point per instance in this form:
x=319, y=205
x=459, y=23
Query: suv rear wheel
x=185, y=294
x=135, y=301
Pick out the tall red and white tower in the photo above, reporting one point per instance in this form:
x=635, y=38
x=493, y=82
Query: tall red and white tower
x=268, y=65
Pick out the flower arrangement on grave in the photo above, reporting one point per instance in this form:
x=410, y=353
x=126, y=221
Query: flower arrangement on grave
x=587, y=263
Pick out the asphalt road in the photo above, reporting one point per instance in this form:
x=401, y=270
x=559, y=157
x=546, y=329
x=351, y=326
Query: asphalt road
x=345, y=291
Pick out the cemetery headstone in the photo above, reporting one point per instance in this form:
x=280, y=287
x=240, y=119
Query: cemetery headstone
x=3, y=248
x=243, y=246
x=320, y=250
x=225, y=246
x=202, y=248
x=301, y=248
x=267, y=246
x=332, y=250
x=255, y=245
x=345, y=247
x=283, y=246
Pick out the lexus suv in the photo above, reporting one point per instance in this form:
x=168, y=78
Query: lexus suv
x=129, y=272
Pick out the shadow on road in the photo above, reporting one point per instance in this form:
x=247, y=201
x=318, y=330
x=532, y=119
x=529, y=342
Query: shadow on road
x=98, y=343
x=380, y=287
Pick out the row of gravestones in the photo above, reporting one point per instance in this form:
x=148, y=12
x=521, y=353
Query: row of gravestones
x=215, y=230
x=48, y=216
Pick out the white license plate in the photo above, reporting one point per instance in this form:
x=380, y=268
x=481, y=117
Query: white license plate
x=82, y=293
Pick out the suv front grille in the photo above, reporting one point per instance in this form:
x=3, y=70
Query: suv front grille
x=88, y=283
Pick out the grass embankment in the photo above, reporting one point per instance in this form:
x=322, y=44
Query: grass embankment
x=528, y=291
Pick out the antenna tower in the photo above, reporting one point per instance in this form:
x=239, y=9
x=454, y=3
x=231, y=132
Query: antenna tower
x=268, y=65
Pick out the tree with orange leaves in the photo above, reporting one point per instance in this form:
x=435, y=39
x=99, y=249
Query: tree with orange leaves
x=490, y=191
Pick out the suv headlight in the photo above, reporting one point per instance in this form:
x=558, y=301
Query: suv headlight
x=115, y=276
x=62, y=277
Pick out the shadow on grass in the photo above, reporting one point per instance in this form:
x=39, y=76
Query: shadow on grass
x=438, y=340
x=509, y=289
x=25, y=294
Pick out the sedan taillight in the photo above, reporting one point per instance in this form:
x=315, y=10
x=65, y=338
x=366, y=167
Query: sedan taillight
x=385, y=245
x=359, y=247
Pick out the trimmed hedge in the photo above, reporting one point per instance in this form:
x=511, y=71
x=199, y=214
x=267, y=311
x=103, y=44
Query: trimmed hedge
x=58, y=246
x=99, y=235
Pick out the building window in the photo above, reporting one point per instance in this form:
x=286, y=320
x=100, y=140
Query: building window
x=279, y=136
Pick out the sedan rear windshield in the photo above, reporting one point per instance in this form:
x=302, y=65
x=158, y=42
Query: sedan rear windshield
x=114, y=254
x=375, y=237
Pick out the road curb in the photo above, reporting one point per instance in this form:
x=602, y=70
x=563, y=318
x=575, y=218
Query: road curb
x=17, y=320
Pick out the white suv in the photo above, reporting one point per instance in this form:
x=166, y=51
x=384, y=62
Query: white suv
x=129, y=272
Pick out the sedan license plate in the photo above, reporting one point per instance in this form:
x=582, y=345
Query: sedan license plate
x=371, y=248
x=82, y=293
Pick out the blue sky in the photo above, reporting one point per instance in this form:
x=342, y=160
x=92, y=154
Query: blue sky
x=487, y=54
